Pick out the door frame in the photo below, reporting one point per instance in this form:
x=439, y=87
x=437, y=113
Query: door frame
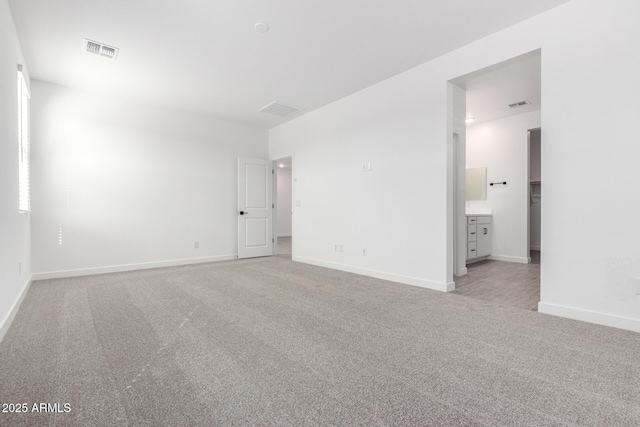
x=529, y=198
x=456, y=184
x=459, y=205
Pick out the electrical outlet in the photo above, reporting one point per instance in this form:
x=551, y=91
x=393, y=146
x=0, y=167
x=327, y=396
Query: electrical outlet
x=196, y=244
x=369, y=166
x=364, y=251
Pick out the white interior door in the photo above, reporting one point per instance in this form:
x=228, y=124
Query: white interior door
x=254, y=208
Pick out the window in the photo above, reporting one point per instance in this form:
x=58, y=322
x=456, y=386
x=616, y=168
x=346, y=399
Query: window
x=24, y=149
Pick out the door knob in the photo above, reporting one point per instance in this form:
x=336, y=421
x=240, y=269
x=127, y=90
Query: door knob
x=243, y=213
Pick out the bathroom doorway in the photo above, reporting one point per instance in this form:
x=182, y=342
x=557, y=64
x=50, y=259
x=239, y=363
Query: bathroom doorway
x=503, y=114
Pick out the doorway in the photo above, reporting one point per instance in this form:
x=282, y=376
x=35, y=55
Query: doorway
x=535, y=194
x=502, y=108
x=283, y=210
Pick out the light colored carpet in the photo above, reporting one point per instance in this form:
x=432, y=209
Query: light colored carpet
x=274, y=342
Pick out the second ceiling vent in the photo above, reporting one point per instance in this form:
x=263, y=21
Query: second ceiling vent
x=100, y=49
x=519, y=104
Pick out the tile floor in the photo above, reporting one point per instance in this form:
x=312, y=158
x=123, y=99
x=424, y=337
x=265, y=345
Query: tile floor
x=507, y=283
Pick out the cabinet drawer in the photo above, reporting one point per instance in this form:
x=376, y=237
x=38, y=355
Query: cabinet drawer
x=484, y=220
x=471, y=220
x=471, y=250
x=472, y=233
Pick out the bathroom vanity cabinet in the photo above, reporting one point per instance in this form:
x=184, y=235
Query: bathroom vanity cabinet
x=478, y=237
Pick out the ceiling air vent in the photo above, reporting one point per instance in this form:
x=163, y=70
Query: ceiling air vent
x=100, y=49
x=281, y=109
x=519, y=104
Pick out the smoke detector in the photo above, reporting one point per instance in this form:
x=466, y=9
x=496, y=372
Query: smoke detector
x=100, y=49
x=519, y=104
x=261, y=27
x=281, y=109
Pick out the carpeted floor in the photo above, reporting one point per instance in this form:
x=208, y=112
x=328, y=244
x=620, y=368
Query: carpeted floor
x=273, y=342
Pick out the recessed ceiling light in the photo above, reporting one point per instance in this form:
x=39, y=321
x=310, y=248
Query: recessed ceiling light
x=281, y=165
x=469, y=120
x=261, y=27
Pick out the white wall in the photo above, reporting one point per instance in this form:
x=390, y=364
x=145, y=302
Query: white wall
x=120, y=185
x=502, y=147
x=399, y=210
x=15, y=229
x=284, y=202
x=589, y=164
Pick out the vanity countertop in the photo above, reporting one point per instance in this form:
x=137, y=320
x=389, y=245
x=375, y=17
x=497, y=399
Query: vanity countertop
x=479, y=212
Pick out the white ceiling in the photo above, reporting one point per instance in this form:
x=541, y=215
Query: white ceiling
x=205, y=55
x=490, y=91
x=285, y=163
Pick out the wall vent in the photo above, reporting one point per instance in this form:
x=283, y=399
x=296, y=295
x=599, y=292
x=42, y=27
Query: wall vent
x=281, y=109
x=100, y=49
x=519, y=104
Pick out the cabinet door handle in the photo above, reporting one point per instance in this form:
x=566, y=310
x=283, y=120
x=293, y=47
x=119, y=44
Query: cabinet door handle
x=473, y=232
x=485, y=230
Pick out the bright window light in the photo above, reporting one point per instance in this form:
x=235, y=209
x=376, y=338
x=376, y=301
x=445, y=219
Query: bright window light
x=24, y=147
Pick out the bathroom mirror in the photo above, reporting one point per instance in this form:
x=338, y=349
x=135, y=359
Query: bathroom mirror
x=476, y=184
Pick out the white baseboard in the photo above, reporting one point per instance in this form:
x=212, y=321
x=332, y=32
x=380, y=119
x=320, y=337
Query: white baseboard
x=6, y=322
x=452, y=286
x=599, y=318
x=474, y=260
x=437, y=286
x=129, y=267
x=516, y=259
